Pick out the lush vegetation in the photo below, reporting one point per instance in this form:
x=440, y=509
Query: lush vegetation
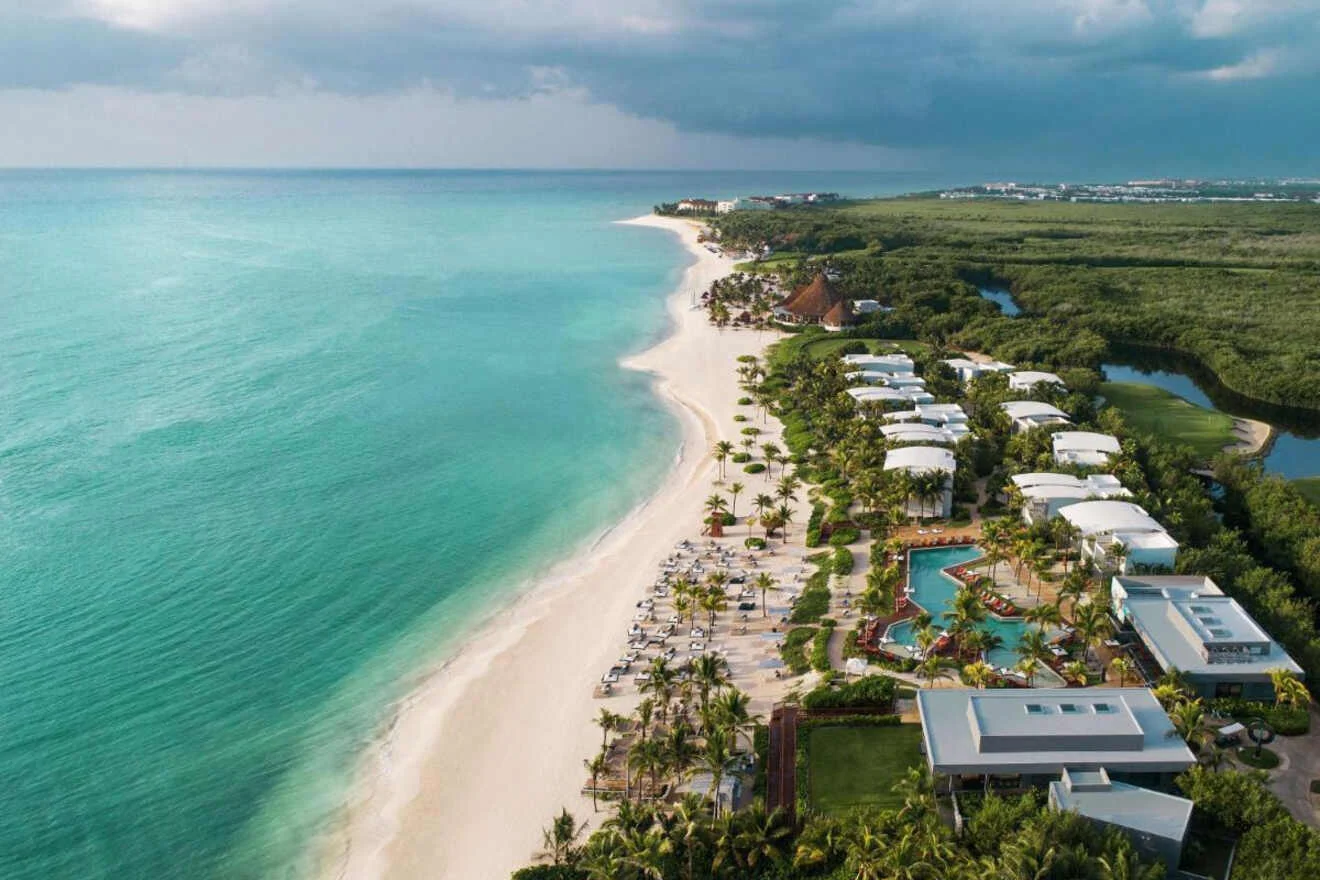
x=868, y=692
x=1232, y=286
x=1309, y=487
x=853, y=766
x=1152, y=410
x=1272, y=843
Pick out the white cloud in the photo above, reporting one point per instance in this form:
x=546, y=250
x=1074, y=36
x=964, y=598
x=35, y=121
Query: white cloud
x=1258, y=65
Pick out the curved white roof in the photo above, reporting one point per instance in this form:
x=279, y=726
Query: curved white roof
x=874, y=392
x=1027, y=378
x=1107, y=517
x=1098, y=482
x=915, y=433
x=920, y=459
x=1032, y=409
x=1085, y=441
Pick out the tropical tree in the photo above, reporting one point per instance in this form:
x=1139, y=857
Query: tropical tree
x=930, y=669
x=1076, y=670
x=714, y=759
x=784, y=514
x=559, y=841
x=1289, y=690
x=645, y=709
x=735, y=489
x=721, y=451
x=764, y=582
x=595, y=766
x=710, y=672
x=608, y=723
x=1123, y=667
x=1188, y=717
x=714, y=602
x=978, y=674
x=1044, y=615
x=763, y=504
x=1029, y=666
x=765, y=837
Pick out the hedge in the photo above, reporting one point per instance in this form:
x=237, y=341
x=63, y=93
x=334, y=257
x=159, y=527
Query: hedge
x=844, y=537
x=742, y=457
x=815, y=598
x=793, y=649
x=1286, y=720
x=872, y=692
x=813, y=524
x=751, y=432
x=842, y=563
x=754, y=543
x=745, y=401
x=740, y=418
x=755, y=467
x=820, y=646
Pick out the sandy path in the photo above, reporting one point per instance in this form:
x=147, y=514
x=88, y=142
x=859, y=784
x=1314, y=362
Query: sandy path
x=491, y=746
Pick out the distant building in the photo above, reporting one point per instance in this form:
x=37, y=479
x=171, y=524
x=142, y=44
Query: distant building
x=1029, y=414
x=752, y=204
x=949, y=417
x=1187, y=623
x=968, y=370
x=1155, y=822
x=897, y=364
x=1121, y=530
x=1025, y=380
x=839, y=316
x=810, y=303
x=1044, y=495
x=697, y=206
x=870, y=306
x=919, y=433
x=1084, y=448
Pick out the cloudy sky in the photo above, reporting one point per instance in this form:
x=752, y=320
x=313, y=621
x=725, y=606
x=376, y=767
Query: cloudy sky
x=1165, y=86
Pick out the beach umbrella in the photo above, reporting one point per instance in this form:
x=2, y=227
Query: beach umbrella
x=855, y=666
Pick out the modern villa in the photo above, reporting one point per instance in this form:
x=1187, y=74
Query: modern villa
x=949, y=416
x=1044, y=495
x=918, y=432
x=883, y=394
x=1188, y=623
x=1084, y=448
x=893, y=380
x=1035, y=735
x=1155, y=822
x=1123, y=533
x=1025, y=380
x=895, y=364
x=918, y=460
x=1029, y=414
x=968, y=370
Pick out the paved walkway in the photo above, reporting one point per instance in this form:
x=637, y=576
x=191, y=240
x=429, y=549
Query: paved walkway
x=1299, y=764
x=781, y=767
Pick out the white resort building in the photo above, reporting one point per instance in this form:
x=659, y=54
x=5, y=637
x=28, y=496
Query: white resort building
x=1044, y=495
x=1084, y=448
x=1025, y=380
x=968, y=370
x=1029, y=414
x=883, y=394
x=1186, y=622
x=1154, y=821
x=918, y=432
x=917, y=460
x=894, y=364
x=1121, y=535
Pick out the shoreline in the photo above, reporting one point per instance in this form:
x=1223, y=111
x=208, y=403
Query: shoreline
x=459, y=785
x=1254, y=437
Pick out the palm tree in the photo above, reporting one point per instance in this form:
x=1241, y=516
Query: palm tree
x=714, y=759
x=722, y=450
x=1072, y=589
x=679, y=750
x=1045, y=615
x=764, y=582
x=1028, y=666
x=714, y=602
x=560, y=839
x=1032, y=643
x=1289, y=690
x=735, y=489
x=731, y=711
x=1123, y=667
x=646, y=757
x=1188, y=716
x=978, y=674
x=595, y=766
x=608, y=722
x=716, y=507
x=784, y=514
x=765, y=837
x=1093, y=623
x=711, y=672
x=1064, y=534
x=867, y=854
x=763, y=504
x=1076, y=670
x=645, y=709
x=786, y=489
x=688, y=830
x=929, y=669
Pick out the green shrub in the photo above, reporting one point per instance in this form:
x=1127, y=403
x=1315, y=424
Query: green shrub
x=1266, y=760
x=728, y=519
x=844, y=537
x=751, y=432
x=746, y=358
x=740, y=418
x=850, y=649
x=813, y=524
x=745, y=401
x=820, y=646
x=755, y=467
x=548, y=872
x=754, y=543
x=842, y=563
x=793, y=649
x=741, y=457
x=1285, y=720
x=870, y=692
x=815, y=598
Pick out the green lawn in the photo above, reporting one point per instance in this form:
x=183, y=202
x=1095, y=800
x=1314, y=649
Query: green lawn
x=1156, y=411
x=1310, y=487
x=820, y=344
x=852, y=767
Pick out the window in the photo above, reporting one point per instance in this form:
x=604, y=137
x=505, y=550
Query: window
x=1228, y=689
x=1069, y=708
x=1103, y=709
x=1221, y=633
x=1035, y=709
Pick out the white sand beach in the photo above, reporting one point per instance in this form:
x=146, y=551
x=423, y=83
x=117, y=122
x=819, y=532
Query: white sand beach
x=492, y=745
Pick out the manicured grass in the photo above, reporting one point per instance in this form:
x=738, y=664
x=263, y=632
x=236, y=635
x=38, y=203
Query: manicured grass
x=1156, y=411
x=1309, y=487
x=1267, y=760
x=857, y=766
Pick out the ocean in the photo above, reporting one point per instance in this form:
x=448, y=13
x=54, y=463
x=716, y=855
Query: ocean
x=271, y=443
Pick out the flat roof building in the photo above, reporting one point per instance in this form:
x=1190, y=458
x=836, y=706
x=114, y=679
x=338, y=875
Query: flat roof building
x=1044, y=495
x=968, y=369
x=918, y=460
x=881, y=363
x=1038, y=733
x=1155, y=822
x=1189, y=624
x=918, y=432
x=1084, y=448
x=1123, y=532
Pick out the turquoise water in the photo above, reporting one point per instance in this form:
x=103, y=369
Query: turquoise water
x=270, y=443
x=1001, y=298
x=933, y=590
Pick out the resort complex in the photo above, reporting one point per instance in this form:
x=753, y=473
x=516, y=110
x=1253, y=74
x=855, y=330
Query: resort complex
x=929, y=586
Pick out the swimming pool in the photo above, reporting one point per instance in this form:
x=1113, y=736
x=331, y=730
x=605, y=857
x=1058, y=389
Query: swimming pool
x=934, y=590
